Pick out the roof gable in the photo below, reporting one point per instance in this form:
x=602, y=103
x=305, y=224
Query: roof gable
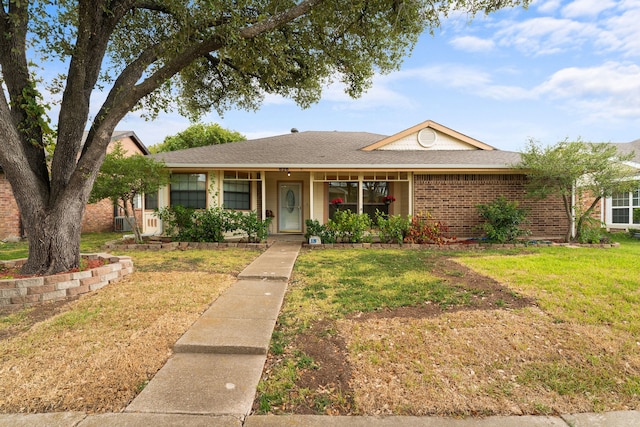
x=428, y=135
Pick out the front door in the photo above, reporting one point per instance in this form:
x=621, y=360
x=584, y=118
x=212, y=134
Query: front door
x=290, y=218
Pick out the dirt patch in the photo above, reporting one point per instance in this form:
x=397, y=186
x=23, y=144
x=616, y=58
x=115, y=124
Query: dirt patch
x=327, y=387
x=27, y=317
x=330, y=374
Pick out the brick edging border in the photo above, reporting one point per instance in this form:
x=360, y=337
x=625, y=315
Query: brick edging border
x=453, y=246
x=34, y=290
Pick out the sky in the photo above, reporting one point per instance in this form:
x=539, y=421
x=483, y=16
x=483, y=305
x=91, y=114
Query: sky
x=557, y=70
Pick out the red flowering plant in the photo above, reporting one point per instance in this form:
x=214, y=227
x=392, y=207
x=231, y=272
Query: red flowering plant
x=337, y=201
x=388, y=199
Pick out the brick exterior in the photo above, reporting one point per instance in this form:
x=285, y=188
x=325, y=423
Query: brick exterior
x=9, y=214
x=453, y=199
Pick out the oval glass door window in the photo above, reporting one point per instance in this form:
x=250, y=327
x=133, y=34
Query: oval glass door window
x=291, y=200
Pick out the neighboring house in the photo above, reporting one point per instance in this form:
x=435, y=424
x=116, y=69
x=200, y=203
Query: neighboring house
x=98, y=216
x=426, y=168
x=622, y=211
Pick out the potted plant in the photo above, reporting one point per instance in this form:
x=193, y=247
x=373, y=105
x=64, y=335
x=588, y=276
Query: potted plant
x=388, y=200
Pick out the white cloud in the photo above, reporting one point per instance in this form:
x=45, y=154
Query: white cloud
x=611, y=90
x=547, y=7
x=621, y=33
x=381, y=94
x=587, y=8
x=546, y=35
x=472, y=44
x=468, y=80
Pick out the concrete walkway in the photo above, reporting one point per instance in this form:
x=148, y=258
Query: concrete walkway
x=211, y=379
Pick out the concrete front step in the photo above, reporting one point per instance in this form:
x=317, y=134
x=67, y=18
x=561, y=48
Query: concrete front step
x=206, y=384
x=240, y=321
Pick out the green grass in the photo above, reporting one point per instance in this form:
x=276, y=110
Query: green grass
x=89, y=242
x=340, y=282
x=585, y=285
x=232, y=260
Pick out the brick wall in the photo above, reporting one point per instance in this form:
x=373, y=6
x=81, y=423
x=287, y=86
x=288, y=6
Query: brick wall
x=9, y=214
x=453, y=199
x=98, y=217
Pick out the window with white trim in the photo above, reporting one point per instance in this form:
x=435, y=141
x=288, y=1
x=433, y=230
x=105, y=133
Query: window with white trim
x=188, y=190
x=625, y=208
x=237, y=195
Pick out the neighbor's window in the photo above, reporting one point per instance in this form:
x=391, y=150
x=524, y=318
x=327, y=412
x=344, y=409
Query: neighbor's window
x=189, y=190
x=237, y=195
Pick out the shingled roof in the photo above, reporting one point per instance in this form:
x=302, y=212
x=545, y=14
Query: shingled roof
x=322, y=150
x=633, y=146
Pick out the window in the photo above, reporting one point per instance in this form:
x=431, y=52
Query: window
x=625, y=208
x=373, y=193
x=237, y=195
x=151, y=201
x=189, y=190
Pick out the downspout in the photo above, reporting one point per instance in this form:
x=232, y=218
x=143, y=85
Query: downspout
x=263, y=195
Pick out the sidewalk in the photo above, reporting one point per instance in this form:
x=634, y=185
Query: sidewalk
x=212, y=377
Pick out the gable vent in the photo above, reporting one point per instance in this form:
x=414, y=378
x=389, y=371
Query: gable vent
x=427, y=137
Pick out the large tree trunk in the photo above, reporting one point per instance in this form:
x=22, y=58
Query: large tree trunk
x=54, y=238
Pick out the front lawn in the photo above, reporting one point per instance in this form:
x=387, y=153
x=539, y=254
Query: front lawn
x=96, y=353
x=539, y=331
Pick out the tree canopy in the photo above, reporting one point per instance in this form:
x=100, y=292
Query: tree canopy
x=159, y=55
x=578, y=170
x=197, y=135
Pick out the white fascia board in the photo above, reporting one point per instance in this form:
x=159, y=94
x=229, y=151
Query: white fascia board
x=334, y=166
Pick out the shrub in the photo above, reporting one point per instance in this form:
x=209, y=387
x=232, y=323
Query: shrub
x=350, y=227
x=591, y=231
x=211, y=225
x=503, y=220
x=255, y=229
x=314, y=228
x=425, y=229
x=392, y=228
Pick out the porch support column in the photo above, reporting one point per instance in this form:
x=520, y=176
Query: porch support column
x=263, y=185
x=360, y=194
x=311, y=185
x=410, y=176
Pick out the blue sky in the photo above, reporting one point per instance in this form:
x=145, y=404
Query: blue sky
x=559, y=69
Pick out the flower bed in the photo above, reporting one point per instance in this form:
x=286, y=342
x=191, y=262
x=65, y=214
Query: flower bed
x=38, y=289
x=170, y=246
x=456, y=246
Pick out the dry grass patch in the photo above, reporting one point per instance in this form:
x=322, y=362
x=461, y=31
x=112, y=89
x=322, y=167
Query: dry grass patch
x=490, y=362
x=100, y=352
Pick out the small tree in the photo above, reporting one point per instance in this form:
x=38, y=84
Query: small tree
x=198, y=135
x=121, y=179
x=577, y=169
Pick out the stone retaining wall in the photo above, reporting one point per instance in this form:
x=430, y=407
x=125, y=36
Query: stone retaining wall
x=33, y=290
